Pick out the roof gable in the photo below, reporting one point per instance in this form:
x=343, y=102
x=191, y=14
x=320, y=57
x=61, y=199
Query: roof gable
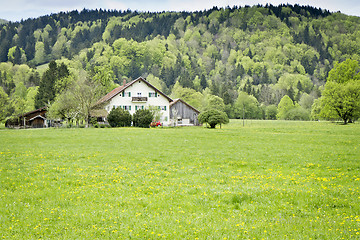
x=37, y=116
x=120, y=89
x=180, y=100
x=34, y=111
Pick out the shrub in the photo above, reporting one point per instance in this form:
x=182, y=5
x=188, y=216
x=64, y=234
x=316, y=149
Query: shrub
x=119, y=117
x=93, y=121
x=270, y=112
x=297, y=113
x=142, y=118
x=213, y=117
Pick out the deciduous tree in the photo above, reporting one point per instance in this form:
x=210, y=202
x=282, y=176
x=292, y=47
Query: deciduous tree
x=342, y=92
x=285, y=105
x=4, y=104
x=247, y=106
x=213, y=117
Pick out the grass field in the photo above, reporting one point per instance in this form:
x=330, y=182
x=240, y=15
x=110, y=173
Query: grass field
x=267, y=180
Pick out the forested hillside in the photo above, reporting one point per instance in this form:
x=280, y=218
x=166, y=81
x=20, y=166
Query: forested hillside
x=250, y=55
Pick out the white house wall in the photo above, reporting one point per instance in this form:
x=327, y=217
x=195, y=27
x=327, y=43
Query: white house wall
x=136, y=89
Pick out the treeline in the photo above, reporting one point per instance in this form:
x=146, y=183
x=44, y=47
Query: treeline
x=25, y=34
x=266, y=52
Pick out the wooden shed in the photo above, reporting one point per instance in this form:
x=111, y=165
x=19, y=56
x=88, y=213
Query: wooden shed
x=183, y=114
x=33, y=119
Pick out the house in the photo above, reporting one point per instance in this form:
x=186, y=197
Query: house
x=140, y=94
x=135, y=95
x=183, y=114
x=33, y=119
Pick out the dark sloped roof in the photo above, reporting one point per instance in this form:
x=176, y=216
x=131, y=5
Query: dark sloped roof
x=110, y=95
x=34, y=111
x=180, y=100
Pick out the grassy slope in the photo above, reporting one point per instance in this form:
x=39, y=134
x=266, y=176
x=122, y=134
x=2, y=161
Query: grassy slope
x=270, y=179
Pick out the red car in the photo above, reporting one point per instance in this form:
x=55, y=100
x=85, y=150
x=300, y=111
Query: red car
x=155, y=124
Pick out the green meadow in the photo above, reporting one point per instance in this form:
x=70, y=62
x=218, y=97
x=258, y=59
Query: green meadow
x=266, y=180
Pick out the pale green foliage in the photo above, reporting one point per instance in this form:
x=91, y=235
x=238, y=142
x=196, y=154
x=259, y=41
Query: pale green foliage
x=297, y=113
x=156, y=112
x=247, y=106
x=345, y=71
x=40, y=55
x=12, y=55
x=156, y=82
x=271, y=112
x=306, y=101
x=30, y=98
x=272, y=51
x=285, y=105
x=341, y=95
x=76, y=102
x=189, y=95
x=342, y=99
x=21, y=73
x=104, y=76
x=4, y=104
x=288, y=81
x=19, y=100
x=316, y=108
x=59, y=47
x=62, y=84
x=214, y=102
x=64, y=107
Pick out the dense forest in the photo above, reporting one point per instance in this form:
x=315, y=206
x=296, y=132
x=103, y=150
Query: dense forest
x=251, y=56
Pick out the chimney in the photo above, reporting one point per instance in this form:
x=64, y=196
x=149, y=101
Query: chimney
x=124, y=82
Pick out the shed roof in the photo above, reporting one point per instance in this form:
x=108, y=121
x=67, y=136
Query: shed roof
x=34, y=111
x=180, y=100
x=98, y=113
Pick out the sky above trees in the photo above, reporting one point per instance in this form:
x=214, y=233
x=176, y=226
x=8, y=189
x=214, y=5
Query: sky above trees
x=16, y=10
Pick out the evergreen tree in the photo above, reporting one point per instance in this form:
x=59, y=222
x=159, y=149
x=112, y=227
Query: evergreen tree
x=47, y=92
x=203, y=82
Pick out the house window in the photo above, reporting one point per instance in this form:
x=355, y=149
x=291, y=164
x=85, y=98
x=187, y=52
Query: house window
x=139, y=94
x=137, y=107
x=127, y=108
x=163, y=108
x=152, y=94
x=126, y=94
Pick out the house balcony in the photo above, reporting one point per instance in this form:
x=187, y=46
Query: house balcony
x=139, y=99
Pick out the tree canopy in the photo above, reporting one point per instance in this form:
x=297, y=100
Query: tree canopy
x=265, y=51
x=213, y=117
x=342, y=92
